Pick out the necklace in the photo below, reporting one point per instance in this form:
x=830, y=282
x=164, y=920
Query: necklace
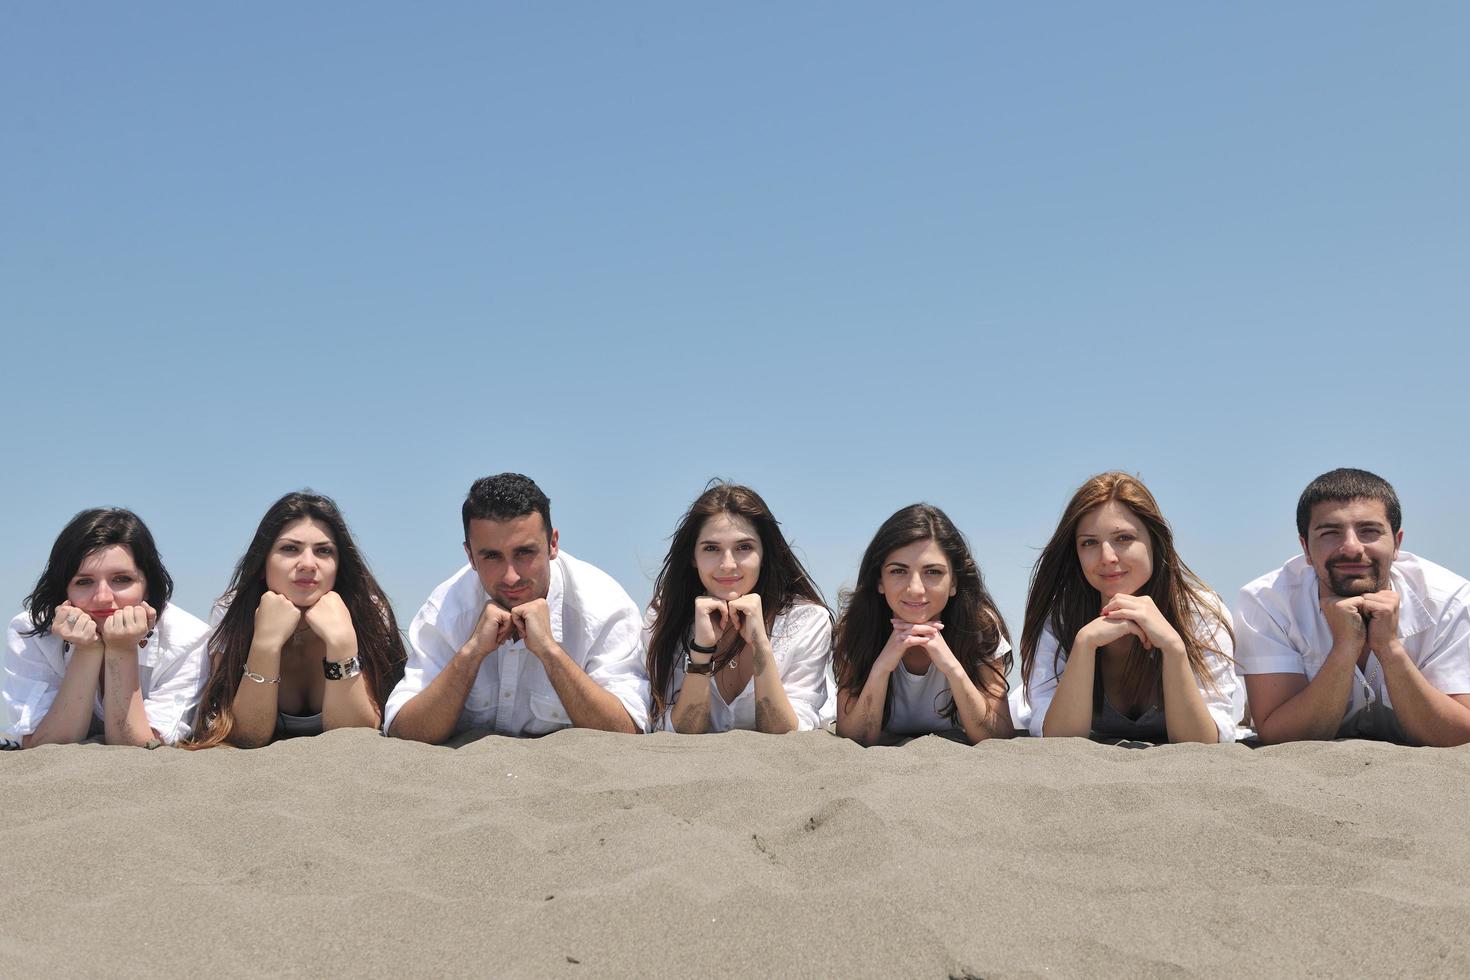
x=1368, y=683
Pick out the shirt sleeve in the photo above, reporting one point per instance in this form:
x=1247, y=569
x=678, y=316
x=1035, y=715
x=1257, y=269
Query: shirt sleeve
x=1261, y=643
x=429, y=652
x=1046, y=670
x=616, y=662
x=1447, y=668
x=1226, y=701
x=806, y=650
x=28, y=684
x=176, y=683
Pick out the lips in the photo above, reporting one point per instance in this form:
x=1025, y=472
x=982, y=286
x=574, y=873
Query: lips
x=100, y=615
x=304, y=583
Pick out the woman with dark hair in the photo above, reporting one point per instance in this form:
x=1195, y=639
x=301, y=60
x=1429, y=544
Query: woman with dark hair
x=1121, y=638
x=100, y=650
x=920, y=645
x=737, y=634
x=305, y=640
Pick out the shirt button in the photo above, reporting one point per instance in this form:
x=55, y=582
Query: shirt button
x=505, y=694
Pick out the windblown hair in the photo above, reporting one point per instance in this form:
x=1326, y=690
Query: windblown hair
x=504, y=497
x=1060, y=598
x=782, y=582
x=379, y=644
x=88, y=531
x=1344, y=484
x=973, y=626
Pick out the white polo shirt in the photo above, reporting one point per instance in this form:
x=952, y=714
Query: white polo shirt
x=172, y=667
x=1280, y=628
x=801, y=642
x=592, y=619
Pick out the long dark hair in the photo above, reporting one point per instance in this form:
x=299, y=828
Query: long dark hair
x=973, y=626
x=782, y=581
x=1061, y=599
x=379, y=644
x=89, y=530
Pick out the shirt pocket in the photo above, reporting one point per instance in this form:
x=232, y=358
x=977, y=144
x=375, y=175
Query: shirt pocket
x=547, y=714
x=479, y=706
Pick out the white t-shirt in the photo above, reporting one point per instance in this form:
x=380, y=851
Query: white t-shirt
x=172, y=667
x=592, y=619
x=1226, y=703
x=801, y=642
x=914, y=700
x=1280, y=628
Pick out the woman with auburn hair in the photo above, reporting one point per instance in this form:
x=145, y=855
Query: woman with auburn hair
x=920, y=646
x=305, y=640
x=100, y=649
x=1121, y=638
x=737, y=634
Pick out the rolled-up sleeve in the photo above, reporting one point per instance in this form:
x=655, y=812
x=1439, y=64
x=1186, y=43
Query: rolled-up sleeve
x=616, y=663
x=429, y=652
x=29, y=683
x=1447, y=668
x=1046, y=669
x=1261, y=643
x=806, y=650
x=1224, y=696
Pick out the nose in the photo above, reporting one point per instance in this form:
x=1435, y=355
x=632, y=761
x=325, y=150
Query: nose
x=727, y=562
x=1109, y=556
x=511, y=578
x=916, y=585
x=103, y=595
x=1351, y=543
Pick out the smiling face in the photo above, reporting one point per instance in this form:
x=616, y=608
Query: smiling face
x=1113, y=550
x=302, y=565
x=917, y=581
x=1351, y=545
x=106, y=580
x=727, y=555
x=512, y=558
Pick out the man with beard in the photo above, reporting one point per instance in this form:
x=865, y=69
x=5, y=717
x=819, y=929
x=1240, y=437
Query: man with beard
x=1355, y=638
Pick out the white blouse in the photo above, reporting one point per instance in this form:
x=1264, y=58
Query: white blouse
x=172, y=667
x=801, y=642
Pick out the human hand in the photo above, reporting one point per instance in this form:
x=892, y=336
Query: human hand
x=329, y=619
x=930, y=638
x=1382, y=612
x=276, y=619
x=492, y=629
x=127, y=629
x=533, y=621
x=711, y=620
x=1104, y=630
x=74, y=626
x=1346, y=621
x=747, y=617
x=1141, y=610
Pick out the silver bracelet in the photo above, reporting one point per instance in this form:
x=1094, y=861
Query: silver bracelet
x=261, y=678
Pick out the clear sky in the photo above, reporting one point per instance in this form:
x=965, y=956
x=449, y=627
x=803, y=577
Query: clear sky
x=853, y=254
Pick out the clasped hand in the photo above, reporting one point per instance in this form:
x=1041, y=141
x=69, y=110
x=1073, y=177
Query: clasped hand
x=1370, y=620
x=1137, y=615
x=277, y=619
x=530, y=621
x=121, y=631
x=714, y=617
x=927, y=637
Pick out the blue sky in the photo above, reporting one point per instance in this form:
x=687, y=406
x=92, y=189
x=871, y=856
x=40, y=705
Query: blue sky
x=852, y=254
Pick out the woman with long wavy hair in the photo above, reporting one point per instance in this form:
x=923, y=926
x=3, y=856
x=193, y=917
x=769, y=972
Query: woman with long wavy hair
x=305, y=640
x=1121, y=638
x=100, y=648
x=738, y=635
x=920, y=646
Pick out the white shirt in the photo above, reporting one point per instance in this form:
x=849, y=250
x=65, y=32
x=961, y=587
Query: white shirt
x=914, y=699
x=172, y=667
x=1280, y=628
x=801, y=642
x=592, y=619
x=1226, y=703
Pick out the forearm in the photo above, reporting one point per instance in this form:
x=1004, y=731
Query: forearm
x=773, y=712
x=690, y=714
x=982, y=715
x=587, y=704
x=862, y=720
x=432, y=714
x=1315, y=712
x=347, y=701
x=1070, y=711
x=257, y=703
x=71, y=713
x=124, y=716
x=1428, y=716
x=1186, y=716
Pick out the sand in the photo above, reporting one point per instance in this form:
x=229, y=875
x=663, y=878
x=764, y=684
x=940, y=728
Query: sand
x=586, y=854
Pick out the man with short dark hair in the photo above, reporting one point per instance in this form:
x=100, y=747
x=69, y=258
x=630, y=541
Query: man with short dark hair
x=1355, y=638
x=523, y=640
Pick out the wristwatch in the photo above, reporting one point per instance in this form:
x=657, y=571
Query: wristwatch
x=690, y=667
x=336, y=670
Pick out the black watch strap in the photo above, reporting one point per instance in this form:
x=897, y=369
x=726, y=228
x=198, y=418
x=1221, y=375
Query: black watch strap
x=336, y=670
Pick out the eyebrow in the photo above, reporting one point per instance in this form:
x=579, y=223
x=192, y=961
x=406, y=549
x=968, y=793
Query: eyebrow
x=716, y=543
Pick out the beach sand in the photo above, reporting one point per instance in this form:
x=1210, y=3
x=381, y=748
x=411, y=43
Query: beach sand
x=585, y=854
